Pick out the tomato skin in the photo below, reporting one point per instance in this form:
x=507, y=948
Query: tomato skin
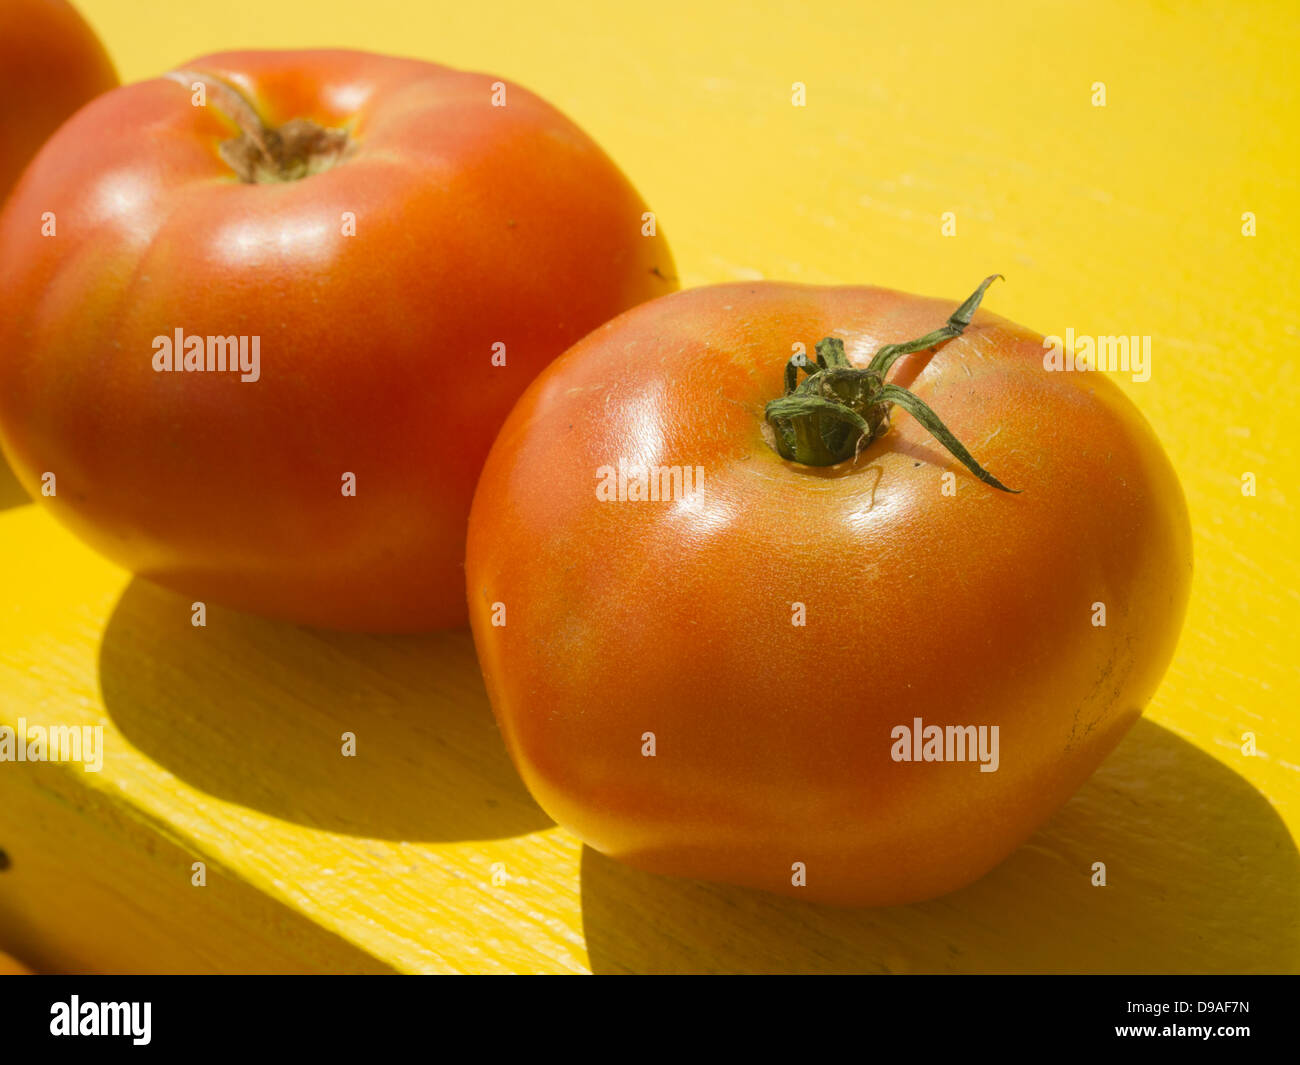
x=51, y=63
x=773, y=741
x=474, y=225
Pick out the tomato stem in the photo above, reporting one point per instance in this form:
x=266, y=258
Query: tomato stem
x=838, y=409
x=262, y=153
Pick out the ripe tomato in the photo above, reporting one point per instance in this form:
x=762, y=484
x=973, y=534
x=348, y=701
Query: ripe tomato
x=740, y=682
x=398, y=247
x=51, y=63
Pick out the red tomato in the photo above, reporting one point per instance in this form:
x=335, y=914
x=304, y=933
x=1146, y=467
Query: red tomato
x=378, y=235
x=735, y=682
x=51, y=63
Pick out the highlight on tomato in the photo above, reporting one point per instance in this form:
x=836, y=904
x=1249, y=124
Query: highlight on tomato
x=833, y=592
x=261, y=318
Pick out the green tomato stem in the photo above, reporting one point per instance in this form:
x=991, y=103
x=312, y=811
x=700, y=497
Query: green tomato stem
x=838, y=410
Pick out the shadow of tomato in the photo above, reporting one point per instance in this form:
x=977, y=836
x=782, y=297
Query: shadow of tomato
x=1202, y=877
x=254, y=711
x=12, y=493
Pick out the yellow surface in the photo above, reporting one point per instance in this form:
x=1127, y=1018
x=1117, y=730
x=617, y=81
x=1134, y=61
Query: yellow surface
x=223, y=742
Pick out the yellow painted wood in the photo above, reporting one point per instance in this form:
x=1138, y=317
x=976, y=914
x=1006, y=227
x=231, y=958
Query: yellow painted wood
x=424, y=853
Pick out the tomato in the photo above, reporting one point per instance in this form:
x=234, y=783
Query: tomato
x=51, y=63
x=388, y=250
x=712, y=661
